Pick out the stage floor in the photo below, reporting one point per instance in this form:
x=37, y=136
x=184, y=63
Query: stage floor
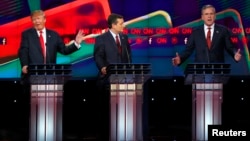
x=168, y=114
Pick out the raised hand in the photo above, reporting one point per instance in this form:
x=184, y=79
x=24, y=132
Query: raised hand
x=176, y=60
x=79, y=37
x=237, y=55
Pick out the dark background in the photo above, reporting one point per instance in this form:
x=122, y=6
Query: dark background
x=169, y=111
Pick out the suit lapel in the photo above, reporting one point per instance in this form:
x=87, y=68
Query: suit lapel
x=36, y=40
x=48, y=36
x=112, y=40
x=215, y=35
x=122, y=40
x=202, y=33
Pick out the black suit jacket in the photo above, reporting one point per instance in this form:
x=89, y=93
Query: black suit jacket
x=106, y=50
x=220, y=42
x=30, y=51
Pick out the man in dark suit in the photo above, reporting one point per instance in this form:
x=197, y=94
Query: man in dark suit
x=219, y=40
x=31, y=52
x=107, y=51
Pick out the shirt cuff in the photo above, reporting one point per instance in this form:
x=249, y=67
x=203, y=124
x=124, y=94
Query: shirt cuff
x=77, y=45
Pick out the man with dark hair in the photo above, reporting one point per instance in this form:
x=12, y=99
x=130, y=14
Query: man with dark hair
x=110, y=47
x=106, y=50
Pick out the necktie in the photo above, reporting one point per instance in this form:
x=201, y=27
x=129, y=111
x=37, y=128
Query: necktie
x=118, y=44
x=42, y=45
x=209, y=37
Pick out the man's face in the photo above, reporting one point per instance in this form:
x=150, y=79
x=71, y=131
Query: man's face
x=208, y=16
x=38, y=21
x=118, y=27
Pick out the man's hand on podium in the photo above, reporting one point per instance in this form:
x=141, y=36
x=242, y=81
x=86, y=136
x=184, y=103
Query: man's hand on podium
x=25, y=69
x=104, y=71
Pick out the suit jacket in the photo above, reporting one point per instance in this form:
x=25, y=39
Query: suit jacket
x=220, y=42
x=30, y=51
x=106, y=50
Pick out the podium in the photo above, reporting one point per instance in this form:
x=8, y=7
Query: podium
x=126, y=100
x=207, y=95
x=46, y=101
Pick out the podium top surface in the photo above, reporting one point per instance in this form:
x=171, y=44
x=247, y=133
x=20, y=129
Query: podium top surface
x=207, y=73
x=128, y=73
x=124, y=68
x=207, y=68
x=49, y=73
x=50, y=69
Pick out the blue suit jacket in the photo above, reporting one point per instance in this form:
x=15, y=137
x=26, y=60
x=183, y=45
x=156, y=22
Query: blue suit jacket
x=106, y=50
x=220, y=42
x=30, y=51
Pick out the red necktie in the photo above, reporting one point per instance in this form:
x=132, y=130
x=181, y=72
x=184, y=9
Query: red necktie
x=42, y=45
x=118, y=44
x=209, y=37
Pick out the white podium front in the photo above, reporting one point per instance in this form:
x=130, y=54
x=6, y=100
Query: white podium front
x=46, y=101
x=207, y=96
x=126, y=100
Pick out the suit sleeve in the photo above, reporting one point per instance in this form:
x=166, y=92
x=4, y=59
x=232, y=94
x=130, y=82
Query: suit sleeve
x=62, y=48
x=229, y=45
x=23, y=52
x=189, y=48
x=99, y=53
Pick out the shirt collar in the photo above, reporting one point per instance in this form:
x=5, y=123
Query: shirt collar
x=43, y=30
x=113, y=34
x=206, y=27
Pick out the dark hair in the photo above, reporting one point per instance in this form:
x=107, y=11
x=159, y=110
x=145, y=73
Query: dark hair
x=112, y=19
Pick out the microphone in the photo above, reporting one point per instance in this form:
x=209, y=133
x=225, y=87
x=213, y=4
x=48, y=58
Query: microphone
x=47, y=55
x=208, y=57
x=128, y=56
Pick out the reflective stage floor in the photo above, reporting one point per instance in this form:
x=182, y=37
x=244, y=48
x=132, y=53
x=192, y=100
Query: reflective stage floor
x=168, y=115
